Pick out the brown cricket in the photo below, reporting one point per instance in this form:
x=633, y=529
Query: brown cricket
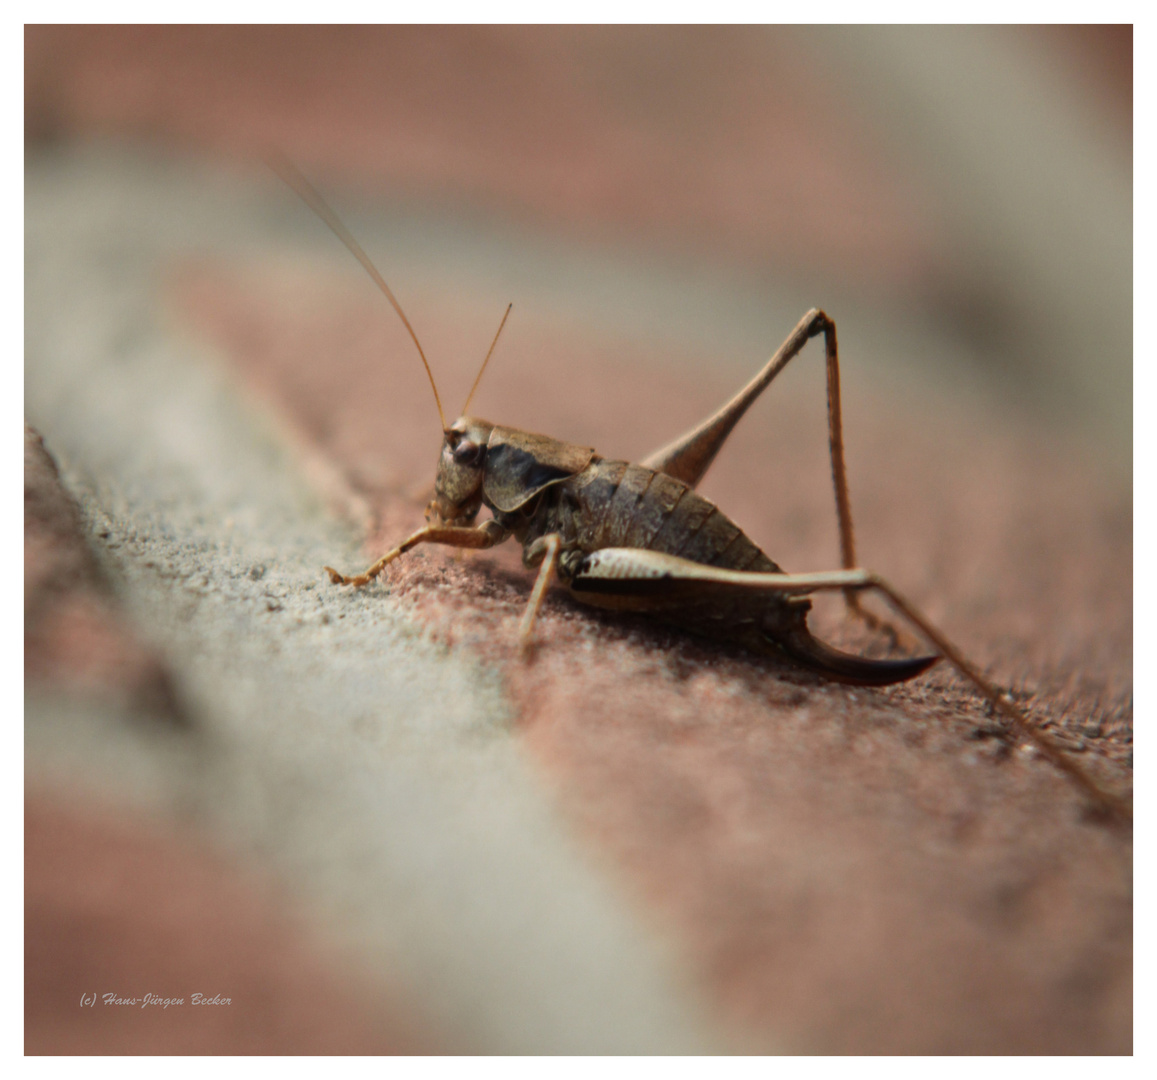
x=638, y=537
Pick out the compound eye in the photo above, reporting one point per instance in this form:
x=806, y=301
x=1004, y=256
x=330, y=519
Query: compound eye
x=468, y=452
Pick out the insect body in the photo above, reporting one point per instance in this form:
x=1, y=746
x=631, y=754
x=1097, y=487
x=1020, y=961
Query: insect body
x=625, y=536
x=631, y=537
x=638, y=537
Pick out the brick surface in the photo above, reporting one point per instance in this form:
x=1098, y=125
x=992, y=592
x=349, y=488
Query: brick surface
x=601, y=129
x=374, y=774
x=76, y=639
x=114, y=905
x=862, y=871
x=837, y=870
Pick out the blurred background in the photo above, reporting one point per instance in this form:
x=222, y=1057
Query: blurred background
x=976, y=180
x=662, y=205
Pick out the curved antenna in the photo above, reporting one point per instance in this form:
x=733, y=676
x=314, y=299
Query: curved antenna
x=285, y=169
x=478, y=379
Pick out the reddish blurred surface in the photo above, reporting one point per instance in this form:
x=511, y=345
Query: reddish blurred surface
x=730, y=140
x=115, y=905
x=718, y=138
x=1100, y=56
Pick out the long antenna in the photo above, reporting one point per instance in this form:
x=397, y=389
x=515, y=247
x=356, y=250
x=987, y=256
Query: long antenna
x=286, y=170
x=478, y=379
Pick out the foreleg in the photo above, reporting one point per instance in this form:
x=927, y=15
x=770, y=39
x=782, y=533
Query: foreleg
x=481, y=536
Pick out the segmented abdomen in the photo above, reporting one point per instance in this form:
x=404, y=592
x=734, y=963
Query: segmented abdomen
x=615, y=504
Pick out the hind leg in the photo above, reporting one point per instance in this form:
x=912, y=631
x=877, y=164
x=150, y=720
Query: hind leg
x=690, y=455
x=651, y=581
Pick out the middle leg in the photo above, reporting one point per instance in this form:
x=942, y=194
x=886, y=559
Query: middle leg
x=545, y=551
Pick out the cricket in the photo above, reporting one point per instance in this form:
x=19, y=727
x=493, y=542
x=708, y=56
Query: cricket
x=639, y=538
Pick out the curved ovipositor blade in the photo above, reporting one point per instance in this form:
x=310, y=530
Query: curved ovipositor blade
x=810, y=652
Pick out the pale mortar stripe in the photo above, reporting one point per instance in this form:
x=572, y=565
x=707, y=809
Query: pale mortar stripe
x=375, y=771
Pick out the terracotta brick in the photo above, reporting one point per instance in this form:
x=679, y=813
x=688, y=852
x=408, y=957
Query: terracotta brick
x=714, y=139
x=115, y=904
